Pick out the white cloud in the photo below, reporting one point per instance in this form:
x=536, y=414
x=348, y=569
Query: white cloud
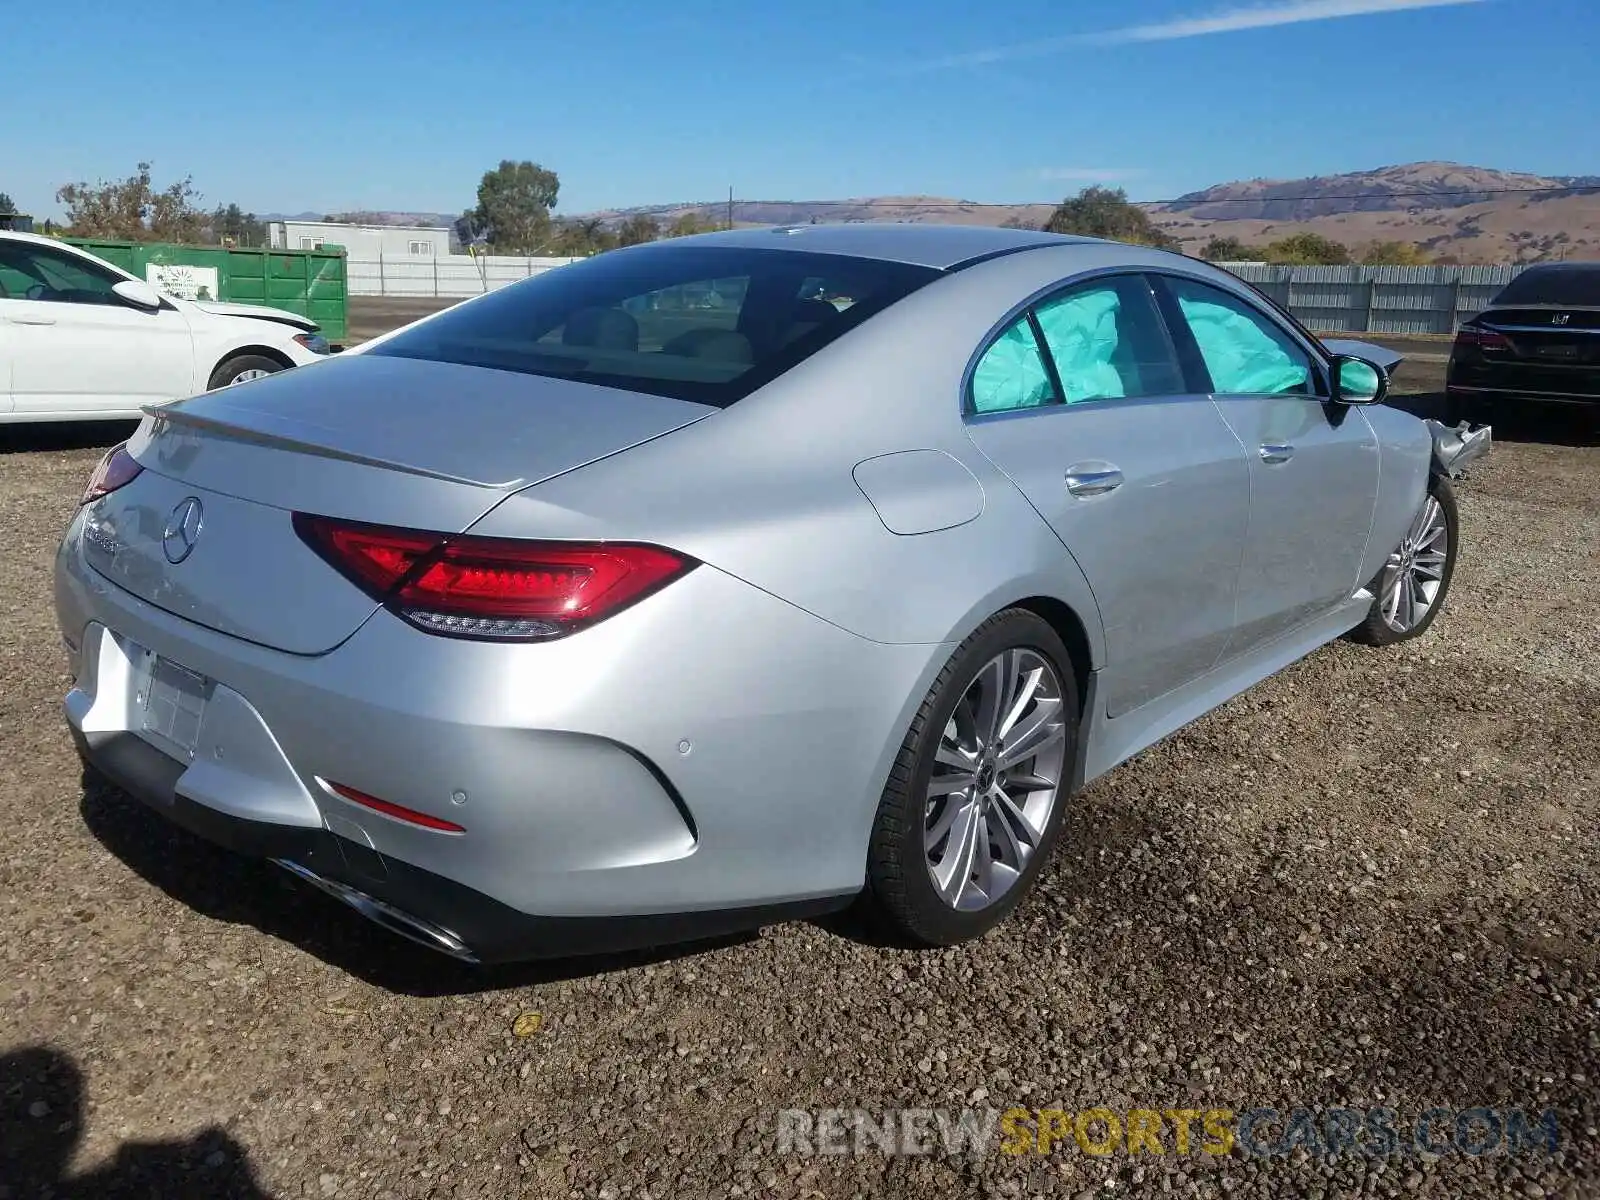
x=1264, y=16
x=1231, y=20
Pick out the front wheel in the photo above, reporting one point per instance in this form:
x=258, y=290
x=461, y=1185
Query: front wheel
x=1410, y=589
x=242, y=368
x=975, y=800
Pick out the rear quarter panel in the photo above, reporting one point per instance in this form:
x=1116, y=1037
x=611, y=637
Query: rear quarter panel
x=765, y=489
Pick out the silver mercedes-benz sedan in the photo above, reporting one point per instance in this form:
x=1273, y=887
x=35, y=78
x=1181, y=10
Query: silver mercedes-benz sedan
x=732, y=578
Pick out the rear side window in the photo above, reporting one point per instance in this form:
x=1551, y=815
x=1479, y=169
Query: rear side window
x=1107, y=342
x=1101, y=340
x=695, y=322
x=1574, y=286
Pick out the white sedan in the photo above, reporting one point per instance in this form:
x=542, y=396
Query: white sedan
x=81, y=339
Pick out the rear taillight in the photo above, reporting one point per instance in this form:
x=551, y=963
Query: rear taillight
x=116, y=469
x=494, y=588
x=1483, y=339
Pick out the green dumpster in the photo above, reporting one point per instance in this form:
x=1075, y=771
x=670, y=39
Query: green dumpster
x=308, y=282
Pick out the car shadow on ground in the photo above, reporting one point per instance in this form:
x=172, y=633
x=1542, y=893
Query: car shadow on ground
x=240, y=890
x=42, y=1123
x=29, y=438
x=1553, y=425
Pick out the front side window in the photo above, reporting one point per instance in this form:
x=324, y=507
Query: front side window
x=703, y=323
x=1246, y=353
x=30, y=272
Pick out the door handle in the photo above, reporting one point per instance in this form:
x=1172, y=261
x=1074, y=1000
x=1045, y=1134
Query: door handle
x=31, y=320
x=1273, y=455
x=1092, y=479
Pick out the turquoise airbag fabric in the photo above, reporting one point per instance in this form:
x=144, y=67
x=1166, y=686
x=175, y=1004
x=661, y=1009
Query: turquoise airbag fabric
x=1081, y=331
x=1242, y=358
x=1011, y=374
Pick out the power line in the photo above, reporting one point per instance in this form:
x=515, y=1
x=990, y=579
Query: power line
x=1569, y=189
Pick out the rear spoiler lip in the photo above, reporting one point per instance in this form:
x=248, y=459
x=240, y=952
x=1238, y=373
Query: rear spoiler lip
x=173, y=414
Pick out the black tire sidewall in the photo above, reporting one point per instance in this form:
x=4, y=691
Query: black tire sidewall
x=230, y=367
x=1374, y=630
x=916, y=906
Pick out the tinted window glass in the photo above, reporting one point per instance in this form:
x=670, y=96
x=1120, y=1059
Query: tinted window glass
x=30, y=272
x=703, y=323
x=1107, y=341
x=1012, y=373
x=1245, y=351
x=1578, y=286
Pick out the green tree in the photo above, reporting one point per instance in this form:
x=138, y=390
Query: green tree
x=581, y=237
x=232, y=224
x=637, y=229
x=688, y=224
x=6, y=206
x=1107, y=213
x=514, y=203
x=1307, y=249
x=1228, y=249
x=1394, y=254
x=134, y=210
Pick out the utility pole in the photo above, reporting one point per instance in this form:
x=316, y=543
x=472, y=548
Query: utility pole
x=730, y=206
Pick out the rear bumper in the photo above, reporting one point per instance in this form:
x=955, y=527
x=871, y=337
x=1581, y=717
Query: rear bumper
x=1472, y=391
x=430, y=909
x=654, y=777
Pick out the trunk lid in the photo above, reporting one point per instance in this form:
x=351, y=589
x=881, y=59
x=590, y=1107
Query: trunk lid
x=391, y=441
x=1548, y=335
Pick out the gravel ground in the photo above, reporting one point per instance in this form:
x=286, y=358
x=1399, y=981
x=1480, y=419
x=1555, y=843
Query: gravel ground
x=1371, y=880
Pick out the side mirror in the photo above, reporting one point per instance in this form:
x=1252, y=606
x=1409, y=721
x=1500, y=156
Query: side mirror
x=140, y=295
x=1357, y=381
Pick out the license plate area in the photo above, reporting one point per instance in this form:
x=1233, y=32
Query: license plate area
x=1567, y=351
x=169, y=703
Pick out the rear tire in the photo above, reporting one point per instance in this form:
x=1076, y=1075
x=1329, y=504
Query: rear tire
x=1013, y=675
x=1405, y=579
x=242, y=368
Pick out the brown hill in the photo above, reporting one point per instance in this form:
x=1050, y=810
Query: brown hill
x=1473, y=214
x=1386, y=189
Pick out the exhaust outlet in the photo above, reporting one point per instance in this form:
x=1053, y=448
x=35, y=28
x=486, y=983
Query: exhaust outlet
x=380, y=912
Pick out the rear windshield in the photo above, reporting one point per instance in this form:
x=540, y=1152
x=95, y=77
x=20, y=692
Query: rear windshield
x=1578, y=286
x=695, y=322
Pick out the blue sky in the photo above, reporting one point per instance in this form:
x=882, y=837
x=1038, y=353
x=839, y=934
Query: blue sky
x=283, y=105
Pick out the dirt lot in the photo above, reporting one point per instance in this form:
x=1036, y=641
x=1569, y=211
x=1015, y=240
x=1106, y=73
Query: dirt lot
x=1369, y=881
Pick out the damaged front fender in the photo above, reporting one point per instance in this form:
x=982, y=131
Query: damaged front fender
x=1456, y=446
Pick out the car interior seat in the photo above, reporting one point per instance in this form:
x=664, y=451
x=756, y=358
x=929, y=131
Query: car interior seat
x=601, y=328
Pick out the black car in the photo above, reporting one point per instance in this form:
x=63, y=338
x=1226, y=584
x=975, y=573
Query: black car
x=1539, y=341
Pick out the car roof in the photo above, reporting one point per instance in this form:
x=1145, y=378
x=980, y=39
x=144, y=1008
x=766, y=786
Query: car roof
x=16, y=235
x=1561, y=268
x=917, y=244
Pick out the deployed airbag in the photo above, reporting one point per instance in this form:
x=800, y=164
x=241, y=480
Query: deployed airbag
x=1011, y=374
x=1242, y=358
x=1081, y=331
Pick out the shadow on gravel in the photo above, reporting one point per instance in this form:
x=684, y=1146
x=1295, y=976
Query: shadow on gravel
x=247, y=891
x=41, y=1124
x=54, y=435
x=1551, y=424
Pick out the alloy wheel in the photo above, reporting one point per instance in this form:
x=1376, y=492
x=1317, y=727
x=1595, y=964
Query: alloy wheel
x=1415, y=570
x=996, y=779
x=248, y=375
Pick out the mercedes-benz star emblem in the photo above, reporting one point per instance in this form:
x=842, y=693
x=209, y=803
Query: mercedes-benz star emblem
x=183, y=530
